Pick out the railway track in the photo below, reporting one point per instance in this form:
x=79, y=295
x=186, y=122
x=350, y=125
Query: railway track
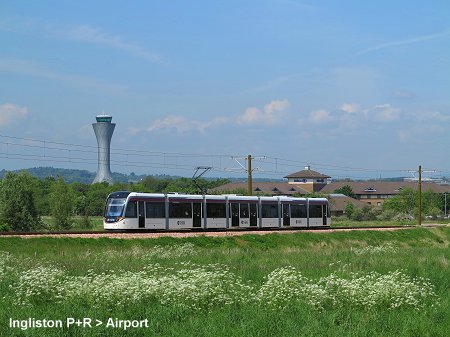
x=185, y=233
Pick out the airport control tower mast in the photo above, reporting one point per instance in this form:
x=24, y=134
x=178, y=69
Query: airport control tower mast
x=103, y=131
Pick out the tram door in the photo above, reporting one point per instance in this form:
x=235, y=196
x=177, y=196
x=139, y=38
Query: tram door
x=253, y=215
x=234, y=215
x=141, y=214
x=197, y=214
x=286, y=215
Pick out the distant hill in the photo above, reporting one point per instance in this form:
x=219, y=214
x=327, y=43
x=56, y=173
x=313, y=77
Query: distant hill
x=74, y=175
x=86, y=177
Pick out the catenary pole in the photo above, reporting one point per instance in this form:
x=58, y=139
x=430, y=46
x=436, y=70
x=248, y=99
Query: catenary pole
x=249, y=170
x=420, y=195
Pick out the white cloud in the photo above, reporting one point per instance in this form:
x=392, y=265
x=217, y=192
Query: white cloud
x=10, y=113
x=86, y=33
x=30, y=68
x=403, y=94
x=80, y=33
x=251, y=115
x=276, y=106
x=350, y=107
x=178, y=123
x=430, y=115
x=181, y=124
x=385, y=113
x=271, y=114
x=320, y=116
x=443, y=34
x=203, y=126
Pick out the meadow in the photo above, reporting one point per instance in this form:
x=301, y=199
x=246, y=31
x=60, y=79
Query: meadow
x=357, y=283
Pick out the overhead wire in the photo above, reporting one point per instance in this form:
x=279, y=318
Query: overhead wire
x=273, y=166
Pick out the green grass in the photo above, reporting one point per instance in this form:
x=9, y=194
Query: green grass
x=344, y=222
x=418, y=252
x=97, y=223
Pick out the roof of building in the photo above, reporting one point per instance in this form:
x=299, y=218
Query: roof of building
x=307, y=173
x=272, y=188
x=383, y=187
x=338, y=202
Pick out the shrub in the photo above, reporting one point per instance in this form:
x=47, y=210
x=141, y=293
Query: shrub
x=17, y=204
x=62, y=203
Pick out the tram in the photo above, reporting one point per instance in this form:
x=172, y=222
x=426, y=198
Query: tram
x=173, y=211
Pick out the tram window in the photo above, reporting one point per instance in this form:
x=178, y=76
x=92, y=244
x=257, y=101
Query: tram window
x=298, y=211
x=216, y=210
x=180, y=210
x=269, y=211
x=315, y=211
x=244, y=210
x=131, y=211
x=155, y=210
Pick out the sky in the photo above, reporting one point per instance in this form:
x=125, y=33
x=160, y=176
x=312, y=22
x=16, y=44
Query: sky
x=354, y=89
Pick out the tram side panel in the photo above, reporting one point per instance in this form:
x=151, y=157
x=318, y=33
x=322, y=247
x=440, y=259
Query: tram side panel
x=269, y=214
x=180, y=215
x=298, y=215
x=317, y=211
x=216, y=213
x=155, y=217
x=244, y=213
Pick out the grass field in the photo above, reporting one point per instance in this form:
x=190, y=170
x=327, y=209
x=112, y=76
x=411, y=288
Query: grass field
x=359, y=283
x=97, y=223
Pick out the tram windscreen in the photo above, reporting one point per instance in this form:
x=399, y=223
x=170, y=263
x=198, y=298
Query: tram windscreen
x=114, y=207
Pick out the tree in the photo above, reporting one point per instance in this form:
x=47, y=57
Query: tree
x=432, y=203
x=42, y=193
x=17, y=203
x=404, y=202
x=96, y=198
x=62, y=203
x=346, y=190
x=349, y=209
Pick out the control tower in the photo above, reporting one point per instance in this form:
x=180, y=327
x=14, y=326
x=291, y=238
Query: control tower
x=103, y=131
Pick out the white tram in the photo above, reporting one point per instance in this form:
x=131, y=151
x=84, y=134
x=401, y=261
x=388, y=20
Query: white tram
x=131, y=210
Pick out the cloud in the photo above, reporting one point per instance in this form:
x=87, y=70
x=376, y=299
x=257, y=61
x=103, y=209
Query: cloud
x=350, y=107
x=276, y=106
x=384, y=113
x=181, y=124
x=270, y=114
x=30, y=68
x=443, y=34
x=86, y=33
x=351, y=112
x=403, y=94
x=80, y=33
x=320, y=116
x=428, y=115
x=9, y=113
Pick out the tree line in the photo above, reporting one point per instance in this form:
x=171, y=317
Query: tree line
x=403, y=206
x=25, y=199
